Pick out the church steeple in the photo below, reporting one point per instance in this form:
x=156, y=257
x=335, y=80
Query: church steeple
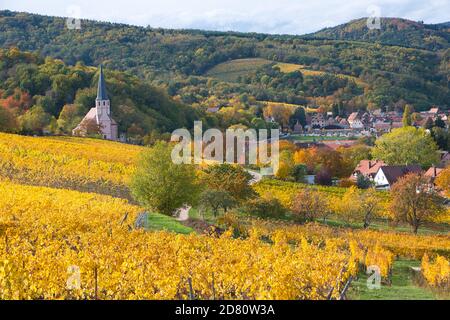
x=101, y=91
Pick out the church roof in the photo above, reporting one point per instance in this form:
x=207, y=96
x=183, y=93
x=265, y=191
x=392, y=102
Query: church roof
x=101, y=91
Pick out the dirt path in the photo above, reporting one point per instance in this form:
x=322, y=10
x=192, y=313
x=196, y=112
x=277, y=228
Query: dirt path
x=183, y=214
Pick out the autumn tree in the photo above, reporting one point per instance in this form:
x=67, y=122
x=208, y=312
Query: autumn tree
x=280, y=113
x=348, y=207
x=231, y=178
x=309, y=205
x=159, y=184
x=264, y=208
x=8, y=122
x=286, y=165
x=317, y=159
x=89, y=128
x=216, y=200
x=34, y=120
x=352, y=156
x=405, y=146
x=443, y=181
x=68, y=118
x=324, y=177
x=370, y=205
x=414, y=202
x=407, y=116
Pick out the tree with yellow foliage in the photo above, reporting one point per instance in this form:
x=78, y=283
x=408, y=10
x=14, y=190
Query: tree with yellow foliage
x=413, y=202
x=443, y=181
x=310, y=205
x=349, y=207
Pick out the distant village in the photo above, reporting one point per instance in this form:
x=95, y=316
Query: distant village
x=375, y=123
x=365, y=123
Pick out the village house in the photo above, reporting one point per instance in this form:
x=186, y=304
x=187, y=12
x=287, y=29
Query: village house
x=298, y=128
x=382, y=127
x=387, y=176
x=433, y=173
x=445, y=159
x=355, y=121
x=213, y=109
x=318, y=121
x=100, y=115
x=367, y=169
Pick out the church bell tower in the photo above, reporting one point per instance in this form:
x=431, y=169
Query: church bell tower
x=102, y=102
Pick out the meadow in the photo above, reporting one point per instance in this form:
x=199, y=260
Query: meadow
x=230, y=71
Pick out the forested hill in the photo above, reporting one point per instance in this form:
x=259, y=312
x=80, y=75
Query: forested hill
x=321, y=72
x=394, y=31
x=38, y=94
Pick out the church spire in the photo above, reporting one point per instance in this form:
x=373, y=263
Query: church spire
x=101, y=91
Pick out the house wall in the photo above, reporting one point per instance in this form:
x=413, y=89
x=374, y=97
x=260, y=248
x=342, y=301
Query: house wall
x=381, y=181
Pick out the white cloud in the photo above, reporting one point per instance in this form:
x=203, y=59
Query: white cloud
x=282, y=16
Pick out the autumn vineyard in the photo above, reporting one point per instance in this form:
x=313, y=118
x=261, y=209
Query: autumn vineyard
x=46, y=228
x=261, y=161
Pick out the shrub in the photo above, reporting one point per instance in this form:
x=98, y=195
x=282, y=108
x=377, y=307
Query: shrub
x=265, y=208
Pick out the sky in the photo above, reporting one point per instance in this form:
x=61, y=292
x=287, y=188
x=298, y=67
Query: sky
x=275, y=16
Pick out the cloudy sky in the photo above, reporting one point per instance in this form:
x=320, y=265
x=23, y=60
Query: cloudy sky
x=274, y=16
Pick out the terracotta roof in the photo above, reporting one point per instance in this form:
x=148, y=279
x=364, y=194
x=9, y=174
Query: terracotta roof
x=396, y=125
x=434, y=110
x=393, y=173
x=368, y=167
x=382, y=125
x=433, y=172
x=353, y=116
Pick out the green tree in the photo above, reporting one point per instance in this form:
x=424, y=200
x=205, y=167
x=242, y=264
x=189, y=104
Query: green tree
x=407, y=119
x=216, y=199
x=298, y=172
x=265, y=208
x=298, y=115
x=231, y=178
x=362, y=182
x=442, y=138
x=405, y=146
x=34, y=120
x=161, y=185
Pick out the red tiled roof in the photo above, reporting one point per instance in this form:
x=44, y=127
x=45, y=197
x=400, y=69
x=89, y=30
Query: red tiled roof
x=433, y=172
x=368, y=167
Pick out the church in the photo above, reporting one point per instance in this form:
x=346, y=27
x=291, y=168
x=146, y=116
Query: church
x=100, y=116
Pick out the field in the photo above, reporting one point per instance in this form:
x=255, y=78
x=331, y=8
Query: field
x=230, y=71
x=68, y=231
x=65, y=162
x=268, y=103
